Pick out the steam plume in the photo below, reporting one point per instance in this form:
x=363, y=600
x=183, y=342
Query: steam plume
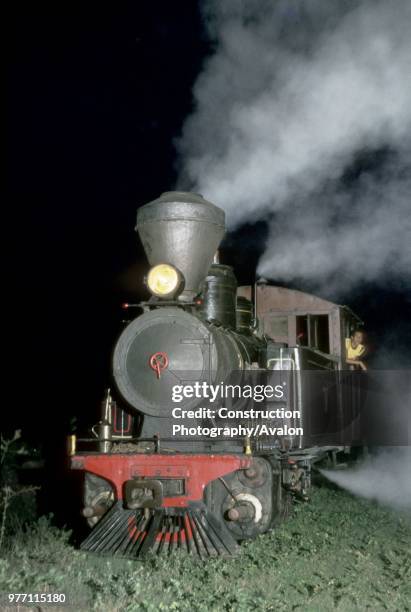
x=384, y=478
x=295, y=94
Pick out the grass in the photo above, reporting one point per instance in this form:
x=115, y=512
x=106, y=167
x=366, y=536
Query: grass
x=336, y=553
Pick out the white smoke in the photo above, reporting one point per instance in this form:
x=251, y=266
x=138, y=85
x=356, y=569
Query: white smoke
x=384, y=478
x=293, y=94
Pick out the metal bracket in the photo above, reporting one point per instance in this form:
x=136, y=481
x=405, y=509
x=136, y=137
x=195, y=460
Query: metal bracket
x=134, y=501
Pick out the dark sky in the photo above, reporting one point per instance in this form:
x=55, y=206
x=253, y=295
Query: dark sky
x=96, y=94
x=95, y=97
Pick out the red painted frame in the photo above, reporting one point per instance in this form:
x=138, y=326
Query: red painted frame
x=196, y=470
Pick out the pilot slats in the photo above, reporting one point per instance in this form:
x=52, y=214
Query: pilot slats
x=136, y=533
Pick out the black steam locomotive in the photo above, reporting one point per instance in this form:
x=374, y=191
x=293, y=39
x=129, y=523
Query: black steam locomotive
x=196, y=473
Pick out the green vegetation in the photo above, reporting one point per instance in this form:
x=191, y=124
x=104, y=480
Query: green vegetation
x=336, y=553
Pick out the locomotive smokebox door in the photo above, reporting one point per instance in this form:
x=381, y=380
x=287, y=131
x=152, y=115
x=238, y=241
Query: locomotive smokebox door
x=189, y=348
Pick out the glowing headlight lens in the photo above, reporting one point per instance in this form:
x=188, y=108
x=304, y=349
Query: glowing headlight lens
x=163, y=280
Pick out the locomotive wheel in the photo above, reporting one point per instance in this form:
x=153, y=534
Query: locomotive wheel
x=99, y=496
x=252, y=501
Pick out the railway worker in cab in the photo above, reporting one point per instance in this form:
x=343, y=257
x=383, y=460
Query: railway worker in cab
x=355, y=349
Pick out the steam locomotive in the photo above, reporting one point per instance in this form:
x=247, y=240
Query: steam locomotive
x=150, y=489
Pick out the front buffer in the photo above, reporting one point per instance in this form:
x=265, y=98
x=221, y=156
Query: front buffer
x=159, y=503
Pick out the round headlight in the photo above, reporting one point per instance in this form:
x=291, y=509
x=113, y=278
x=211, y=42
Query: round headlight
x=164, y=280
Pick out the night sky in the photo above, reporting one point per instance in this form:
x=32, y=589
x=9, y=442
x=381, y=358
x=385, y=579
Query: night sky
x=96, y=95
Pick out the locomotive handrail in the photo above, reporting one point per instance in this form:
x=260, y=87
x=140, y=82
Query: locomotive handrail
x=173, y=439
